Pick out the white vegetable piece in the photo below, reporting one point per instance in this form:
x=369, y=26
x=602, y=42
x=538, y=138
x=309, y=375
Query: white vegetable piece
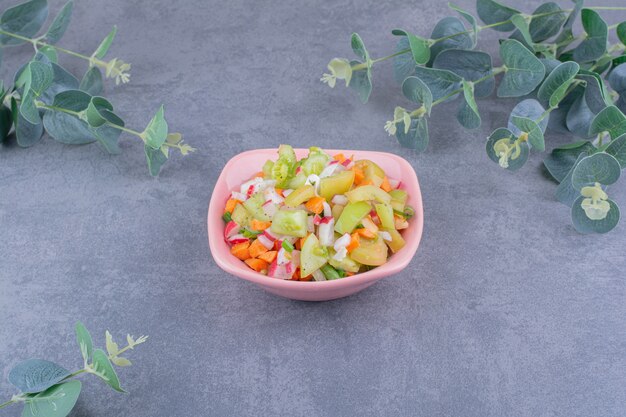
x=326, y=231
x=327, y=211
x=340, y=199
x=318, y=275
x=385, y=235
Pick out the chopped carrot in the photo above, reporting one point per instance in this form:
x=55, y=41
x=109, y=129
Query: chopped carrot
x=349, y=274
x=259, y=265
x=296, y=274
x=316, y=204
x=385, y=185
x=358, y=175
x=366, y=182
x=259, y=225
x=366, y=233
x=258, y=174
x=279, y=191
x=241, y=251
x=230, y=205
x=269, y=256
x=256, y=249
x=307, y=278
x=339, y=157
x=277, y=245
x=299, y=243
x=354, y=242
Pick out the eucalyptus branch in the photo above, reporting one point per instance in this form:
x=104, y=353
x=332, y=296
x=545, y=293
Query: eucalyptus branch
x=542, y=58
x=48, y=98
x=50, y=390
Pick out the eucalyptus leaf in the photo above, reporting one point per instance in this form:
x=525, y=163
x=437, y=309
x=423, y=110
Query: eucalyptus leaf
x=561, y=160
x=593, y=46
x=40, y=76
x=359, y=48
x=579, y=118
x=85, y=343
x=155, y=158
x=417, y=136
x=28, y=109
x=361, y=82
x=566, y=37
x=36, y=375
x=50, y=52
x=503, y=133
x=491, y=11
x=596, y=94
x=104, y=46
x=610, y=120
x=554, y=87
x=57, y=401
x=26, y=133
x=67, y=128
x=548, y=25
x=418, y=92
x=25, y=20
x=61, y=81
x=565, y=192
x=524, y=71
x=617, y=79
x=468, y=114
x=469, y=65
x=617, y=149
x=6, y=121
x=535, y=134
x=584, y=224
x=92, y=82
x=599, y=167
x=446, y=28
x=531, y=109
x=420, y=49
x=470, y=19
x=60, y=23
x=440, y=82
x=403, y=64
x=523, y=30
x=102, y=367
x=92, y=112
x=106, y=134
x=621, y=32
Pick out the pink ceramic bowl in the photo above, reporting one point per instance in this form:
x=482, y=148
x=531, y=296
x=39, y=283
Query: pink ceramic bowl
x=241, y=167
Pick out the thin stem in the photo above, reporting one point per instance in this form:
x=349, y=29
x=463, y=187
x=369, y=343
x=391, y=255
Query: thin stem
x=606, y=8
x=495, y=72
x=7, y=403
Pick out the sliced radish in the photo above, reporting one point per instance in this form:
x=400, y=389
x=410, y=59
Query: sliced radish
x=283, y=257
x=269, y=235
x=342, y=242
x=317, y=220
x=269, y=208
x=326, y=232
x=295, y=258
x=346, y=162
x=340, y=254
x=278, y=271
x=327, y=211
x=329, y=169
x=263, y=240
x=231, y=229
x=298, y=170
x=318, y=275
x=340, y=199
x=314, y=180
x=238, y=238
x=238, y=196
x=270, y=194
x=310, y=224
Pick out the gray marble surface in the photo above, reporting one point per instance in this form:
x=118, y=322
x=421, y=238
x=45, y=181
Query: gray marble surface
x=505, y=310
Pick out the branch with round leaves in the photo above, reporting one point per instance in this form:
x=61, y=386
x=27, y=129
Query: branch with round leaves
x=566, y=82
x=45, y=97
x=48, y=389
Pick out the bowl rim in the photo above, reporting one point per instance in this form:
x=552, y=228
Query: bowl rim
x=399, y=261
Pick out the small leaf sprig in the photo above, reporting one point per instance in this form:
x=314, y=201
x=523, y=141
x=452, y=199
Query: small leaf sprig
x=48, y=389
x=566, y=83
x=45, y=97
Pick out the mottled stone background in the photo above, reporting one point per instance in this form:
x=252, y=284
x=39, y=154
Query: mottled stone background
x=505, y=310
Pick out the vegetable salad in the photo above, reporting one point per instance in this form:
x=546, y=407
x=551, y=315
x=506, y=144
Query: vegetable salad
x=320, y=218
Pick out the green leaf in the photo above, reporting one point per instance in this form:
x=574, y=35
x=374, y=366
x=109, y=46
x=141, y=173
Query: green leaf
x=6, y=121
x=108, y=135
x=561, y=160
x=617, y=149
x=621, y=33
x=102, y=367
x=491, y=11
x=522, y=26
x=470, y=19
x=361, y=82
x=61, y=81
x=469, y=65
x=36, y=375
x=420, y=49
x=68, y=128
x=553, y=89
x=92, y=82
x=403, y=64
x=57, y=401
x=28, y=109
x=544, y=27
x=417, y=136
x=579, y=117
x=92, y=112
x=85, y=343
x=415, y=90
x=617, y=79
x=440, y=82
x=119, y=361
x=524, y=71
x=112, y=347
x=584, y=224
x=468, y=115
x=610, y=120
x=594, y=44
x=449, y=26
x=39, y=78
x=50, y=52
x=535, y=134
x=104, y=46
x=156, y=131
x=566, y=37
x=599, y=167
x=359, y=48
x=596, y=93
x=60, y=23
x=156, y=158
x=503, y=133
x=531, y=109
x=565, y=192
x=25, y=20
x=26, y=133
